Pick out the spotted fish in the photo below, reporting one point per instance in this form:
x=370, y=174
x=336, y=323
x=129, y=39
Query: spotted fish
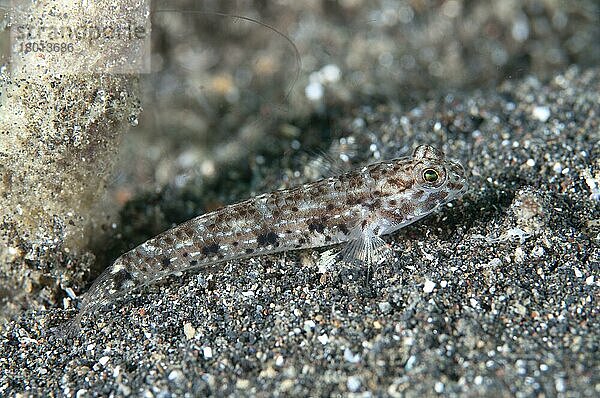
x=355, y=208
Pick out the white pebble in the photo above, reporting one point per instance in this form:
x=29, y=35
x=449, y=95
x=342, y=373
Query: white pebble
x=593, y=184
x=428, y=286
x=81, y=393
x=384, y=307
x=324, y=339
x=589, y=280
x=207, y=352
x=147, y=394
x=351, y=357
x=353, y=383
x=104, y=360
x=330, y=73
x=538, y=251
x=520, y=29
x=71, y=293
x=577, y=272
x=557, y=168
x=279, y=361
x=410, y=362
x=559, y=384
x=520, y=309
x=519, y=255
x=189, y=331
x=439, y=387
x=495, y=262
x=176, y=375
x=358, y=123
x=309, y=325
x=541, y=113
x=314, y=91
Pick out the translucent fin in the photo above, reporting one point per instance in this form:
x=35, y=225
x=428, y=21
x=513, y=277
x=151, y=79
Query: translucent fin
x=368, y=249
x=116, y=281
x=326, y=164
x=363, y=248
x=69, y=329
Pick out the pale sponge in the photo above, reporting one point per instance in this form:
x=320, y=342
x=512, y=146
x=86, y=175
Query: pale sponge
x=59, y=135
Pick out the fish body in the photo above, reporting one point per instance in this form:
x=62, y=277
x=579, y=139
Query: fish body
x=355, y=208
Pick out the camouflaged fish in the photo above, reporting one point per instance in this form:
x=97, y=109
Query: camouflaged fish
x=354, y=208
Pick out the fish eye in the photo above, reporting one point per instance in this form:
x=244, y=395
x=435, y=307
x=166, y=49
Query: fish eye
x=430, y=175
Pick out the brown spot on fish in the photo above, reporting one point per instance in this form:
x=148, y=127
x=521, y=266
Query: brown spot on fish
x=316, y=226
x=213, y=248
x=268, y=238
